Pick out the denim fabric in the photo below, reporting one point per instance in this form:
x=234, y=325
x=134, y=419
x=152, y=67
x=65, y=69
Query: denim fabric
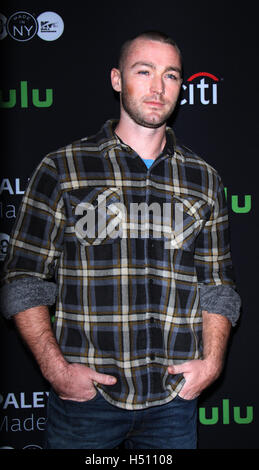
x=97, y=424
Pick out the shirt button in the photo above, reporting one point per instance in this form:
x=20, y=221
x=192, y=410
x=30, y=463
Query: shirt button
x=152, y=357
x=152, y=319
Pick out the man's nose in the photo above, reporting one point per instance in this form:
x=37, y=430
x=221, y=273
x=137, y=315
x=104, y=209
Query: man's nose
x=157, y=85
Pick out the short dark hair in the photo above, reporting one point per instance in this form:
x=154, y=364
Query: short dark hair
x=151, y=35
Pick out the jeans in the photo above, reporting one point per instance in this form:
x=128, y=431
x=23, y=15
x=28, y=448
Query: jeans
x=96, y=424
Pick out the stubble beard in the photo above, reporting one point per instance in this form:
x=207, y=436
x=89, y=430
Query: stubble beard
x=135, y=114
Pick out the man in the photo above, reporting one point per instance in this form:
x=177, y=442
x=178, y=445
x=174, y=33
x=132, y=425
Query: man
x=144, y=299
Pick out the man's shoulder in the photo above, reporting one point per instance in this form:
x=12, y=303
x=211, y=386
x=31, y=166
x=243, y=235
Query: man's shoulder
x=190, y=157
x=93, y=143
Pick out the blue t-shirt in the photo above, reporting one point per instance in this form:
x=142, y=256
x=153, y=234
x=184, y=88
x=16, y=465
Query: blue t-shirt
x=148, y=161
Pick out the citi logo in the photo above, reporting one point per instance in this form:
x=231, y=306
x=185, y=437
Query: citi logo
x=24, y=97
x=201, y=88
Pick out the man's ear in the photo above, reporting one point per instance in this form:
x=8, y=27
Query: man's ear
x=116, y=79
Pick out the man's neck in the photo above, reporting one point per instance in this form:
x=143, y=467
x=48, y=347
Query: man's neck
x=148, y=143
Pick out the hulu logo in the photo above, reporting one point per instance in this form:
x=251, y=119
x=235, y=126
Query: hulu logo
x=21, y=97
x=225, y=415
x=240, y=207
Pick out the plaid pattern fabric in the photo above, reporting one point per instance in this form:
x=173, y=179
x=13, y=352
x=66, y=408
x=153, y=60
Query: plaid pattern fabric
x=128, y=293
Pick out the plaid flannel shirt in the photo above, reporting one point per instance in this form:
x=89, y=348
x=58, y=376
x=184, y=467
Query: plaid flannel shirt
x=127, y=289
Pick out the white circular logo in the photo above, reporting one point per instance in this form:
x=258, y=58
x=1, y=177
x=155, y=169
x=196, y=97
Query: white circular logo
x=32, y=446
x=3, y=32
x=22, y=26
x=4, y=240
x=50, y=26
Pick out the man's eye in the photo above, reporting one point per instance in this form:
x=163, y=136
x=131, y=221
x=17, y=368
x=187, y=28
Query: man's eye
x=143, y=72
x=172, y=76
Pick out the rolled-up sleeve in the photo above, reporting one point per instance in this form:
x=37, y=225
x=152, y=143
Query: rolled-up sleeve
x=35, y=244
x=213, y=262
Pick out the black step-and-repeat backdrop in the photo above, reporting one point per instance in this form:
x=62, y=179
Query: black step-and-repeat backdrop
x=55, y=88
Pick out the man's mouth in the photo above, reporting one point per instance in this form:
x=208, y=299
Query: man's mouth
x=156, y=104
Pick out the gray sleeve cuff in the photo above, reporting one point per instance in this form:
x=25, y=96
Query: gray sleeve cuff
x=223, y=300
x=19, y=295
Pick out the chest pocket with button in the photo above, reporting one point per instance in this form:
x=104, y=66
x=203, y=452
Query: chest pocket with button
x=96, y=214
x=188, y=216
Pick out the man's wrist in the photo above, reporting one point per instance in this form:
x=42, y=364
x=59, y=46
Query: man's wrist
x=57, y=375
x=214, y=365
x=55, y=369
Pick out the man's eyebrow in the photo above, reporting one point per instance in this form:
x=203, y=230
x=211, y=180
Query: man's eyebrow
x=146, y=64
x=151, y=65
x=175, y=69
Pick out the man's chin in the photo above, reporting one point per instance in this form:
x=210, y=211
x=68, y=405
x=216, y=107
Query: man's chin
x=154, y=124
x=149, y=120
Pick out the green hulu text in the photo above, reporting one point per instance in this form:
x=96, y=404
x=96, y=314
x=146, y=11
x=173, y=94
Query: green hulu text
x=225, y=414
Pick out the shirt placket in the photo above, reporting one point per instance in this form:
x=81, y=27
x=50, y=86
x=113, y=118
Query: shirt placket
x=150, y=319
